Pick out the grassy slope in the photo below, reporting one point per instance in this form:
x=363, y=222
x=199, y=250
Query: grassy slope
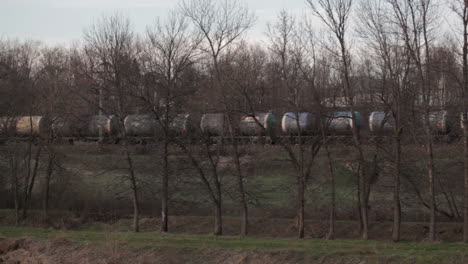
x=100, y=177
x=372, y=251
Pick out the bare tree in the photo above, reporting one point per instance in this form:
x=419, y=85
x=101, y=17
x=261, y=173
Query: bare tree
x=53, y=88
x=461, y=9
x=414, y=20
x=15, y=157
x=221, y=25
x=171, y=52
x=392, y=68
x=18, y=65
x=298, y=77
x=335, y=15
x=112, y=68
x=317, y=74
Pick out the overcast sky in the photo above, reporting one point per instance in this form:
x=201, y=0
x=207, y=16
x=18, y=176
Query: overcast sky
x=61, y=21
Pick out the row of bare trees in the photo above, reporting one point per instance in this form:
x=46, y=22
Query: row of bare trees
x=197, y=60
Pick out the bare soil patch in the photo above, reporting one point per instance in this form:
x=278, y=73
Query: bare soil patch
x=63, y=251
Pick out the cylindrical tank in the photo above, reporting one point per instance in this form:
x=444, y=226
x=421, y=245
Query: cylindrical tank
x=141, y=125
x=182, y=125
x=62, y=127
x=260, y=124
x=71, y=126
x=381, y=122
x=438, y=120
x=341, y=123
x=461, y=121
x=213, y=124
x=8, y=125
x=307, y=123
x=108, y=124
x=27, y=125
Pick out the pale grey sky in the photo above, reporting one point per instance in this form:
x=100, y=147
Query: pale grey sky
x=61, y=21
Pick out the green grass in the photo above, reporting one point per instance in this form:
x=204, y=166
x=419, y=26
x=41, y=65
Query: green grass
x=100, y=178
x=369, y=250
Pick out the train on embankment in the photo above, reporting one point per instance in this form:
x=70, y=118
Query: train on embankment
x=217, y=125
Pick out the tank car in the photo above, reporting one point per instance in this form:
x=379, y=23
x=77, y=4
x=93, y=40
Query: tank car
x=260, y=124
x=439, y=122
x=302, y=123
x=462, y=126
x=182, y=124
x=341, y=123
x=71, y=126
x=30, y=125
x=8, y=125
x=62, y=127
x=109, y=125
x=141, y=125
x=381, y=123
x=149, y=126
x=213, y=124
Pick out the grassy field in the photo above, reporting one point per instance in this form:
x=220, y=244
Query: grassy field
x=369, y=251
x=97, y=180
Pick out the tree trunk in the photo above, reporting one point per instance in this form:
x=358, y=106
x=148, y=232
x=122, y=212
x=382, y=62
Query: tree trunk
x=164, y=189
x=332, y=220
x=245, y=217
x=27, y=180
x=301, y=206
x=358, y=204
x=134, y=187
x=136, y=211
x=47, y=187
x=16, y=198
x=218, y=203
x=465, y=201
x=430, y=167
x=363, y=199
x=240, y=177
x=396, y=190
x=432, y=227
x=465, y=122
x=218, y=228
x=17, y=210
x=243, y=201
x=31, y=179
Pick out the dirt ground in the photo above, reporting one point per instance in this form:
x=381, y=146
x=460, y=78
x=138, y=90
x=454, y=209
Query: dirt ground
x=17, y=251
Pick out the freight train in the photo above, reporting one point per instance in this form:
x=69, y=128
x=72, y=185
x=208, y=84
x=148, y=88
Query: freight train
x=214, y=125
